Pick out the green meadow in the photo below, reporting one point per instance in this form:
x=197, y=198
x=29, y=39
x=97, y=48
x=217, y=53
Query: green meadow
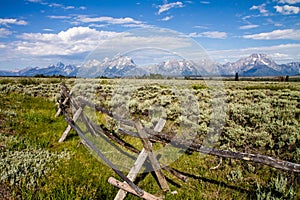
x=262, y=117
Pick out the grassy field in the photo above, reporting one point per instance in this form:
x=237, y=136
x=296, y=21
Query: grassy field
x=261, y=117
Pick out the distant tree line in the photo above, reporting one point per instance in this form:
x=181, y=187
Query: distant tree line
x=52, y=76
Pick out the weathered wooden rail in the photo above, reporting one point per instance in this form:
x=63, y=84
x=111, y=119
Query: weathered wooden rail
x=147, y=136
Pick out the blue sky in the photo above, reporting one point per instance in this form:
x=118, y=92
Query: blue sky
x=43, y=32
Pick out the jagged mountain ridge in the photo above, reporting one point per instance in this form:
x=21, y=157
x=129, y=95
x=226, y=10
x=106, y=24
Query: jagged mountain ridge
x=118, y=66
x=259, y=65
x=124, y=66
x=177, y=68
x=58, y=69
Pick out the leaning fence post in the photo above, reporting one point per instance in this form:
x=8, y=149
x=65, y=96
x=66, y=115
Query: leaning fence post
x=154, y=162
x=139, y=162
x=68, y=129
x=67, y=99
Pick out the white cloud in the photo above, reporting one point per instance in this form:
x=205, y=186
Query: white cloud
x=97, y=25
x=57, y=5
x=280, y=53
x=74, y=44
x=72, y=41
x=141, y=40
x=287, y=10
x=48, y=30
x=270, y=21
x=4, y=32
x=289, y=1
x=69, y=7
x=250, y=26
x=168, y=6
x=167, y=18
x=276, y=35
x=109, y=20
x=201, y=27
x=278, y=24
x=104, y=20
x=34, y=1
x=59, y=17
x=6, y=21
x=261, y=8
x=205, y=2
x=126, y=21
x=210, y=34
x=2, y=46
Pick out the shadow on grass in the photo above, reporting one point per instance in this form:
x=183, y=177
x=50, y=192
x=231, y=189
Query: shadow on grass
x=216, y=182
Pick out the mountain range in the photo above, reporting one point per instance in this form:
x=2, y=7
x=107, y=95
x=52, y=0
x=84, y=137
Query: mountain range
x=259, y=65
x=51, y=70
x=124, y=66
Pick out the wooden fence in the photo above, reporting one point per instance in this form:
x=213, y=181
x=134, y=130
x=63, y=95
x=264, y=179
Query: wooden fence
x=72, y=108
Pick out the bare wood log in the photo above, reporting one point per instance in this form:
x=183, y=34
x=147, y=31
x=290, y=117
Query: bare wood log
x=133, y=149
x=266, y=160
x=139, y=161
x=155, y=164
x=133, y=173
x=67, y=99
x=160, y=125
x=126, y=187
x=257, y=158
x=68, y=129
x=137, y=190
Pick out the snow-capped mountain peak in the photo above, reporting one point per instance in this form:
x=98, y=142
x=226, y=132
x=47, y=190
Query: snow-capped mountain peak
x=176, y=68
x=120, y=62
x=255, y=64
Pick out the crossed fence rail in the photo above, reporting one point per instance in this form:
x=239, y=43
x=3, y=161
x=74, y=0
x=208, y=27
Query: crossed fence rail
x=147, y=136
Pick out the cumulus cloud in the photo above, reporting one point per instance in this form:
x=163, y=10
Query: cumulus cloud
x=276, y=35
x=289, y=1
x=74, y=44
x=7, y=21
x=210, y=34
x=72, y=41
x=250, y=26
x=2, y=46
x=287, y=10
x=4, y=32
x=168, y=6
x=261, y=8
